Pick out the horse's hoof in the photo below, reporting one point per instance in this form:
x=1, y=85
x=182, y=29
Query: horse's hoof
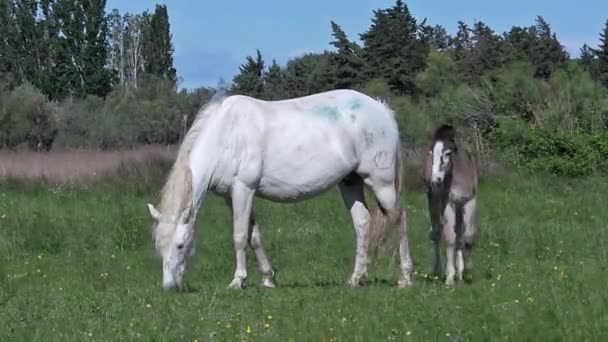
x=236, y=284
x=353, y=283
x=449, y=282
x=404, y=282
x=268, y=283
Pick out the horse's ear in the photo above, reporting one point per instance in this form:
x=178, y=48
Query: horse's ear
x=156, y=215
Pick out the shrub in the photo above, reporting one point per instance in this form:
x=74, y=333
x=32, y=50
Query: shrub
x=27, y=118
x=536, y=149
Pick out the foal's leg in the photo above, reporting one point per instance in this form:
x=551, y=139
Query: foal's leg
x=435, y=206
x=470, y=234
x=459, y=227
x=242, y=199
x=354, y=199
x=449, y=237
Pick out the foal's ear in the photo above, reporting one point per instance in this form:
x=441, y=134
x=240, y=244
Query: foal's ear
x=153, y=212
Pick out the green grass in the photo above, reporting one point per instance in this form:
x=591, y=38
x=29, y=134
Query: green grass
x=78, y=264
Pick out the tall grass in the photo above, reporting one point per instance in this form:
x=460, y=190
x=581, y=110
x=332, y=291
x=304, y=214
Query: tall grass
x=83, y=166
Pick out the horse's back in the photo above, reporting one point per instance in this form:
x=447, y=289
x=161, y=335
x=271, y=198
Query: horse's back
x=306, y=145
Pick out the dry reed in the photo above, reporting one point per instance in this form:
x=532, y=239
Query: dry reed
x=80, y=166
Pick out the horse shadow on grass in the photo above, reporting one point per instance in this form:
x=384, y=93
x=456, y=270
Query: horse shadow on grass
x=373, y=282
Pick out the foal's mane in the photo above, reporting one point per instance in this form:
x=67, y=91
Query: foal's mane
x=445, y=133
x=176, y=194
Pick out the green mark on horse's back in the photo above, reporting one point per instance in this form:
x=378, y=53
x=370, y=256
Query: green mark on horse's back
x=355, y=104
x=333, y=113
x=330, y=112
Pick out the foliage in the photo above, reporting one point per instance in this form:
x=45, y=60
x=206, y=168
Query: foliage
x=27, y=118
x=274, y=83
x=602, y=57
x=347, y=63
x=150, y=114
x=157, y=47
x=250, y=79
x=393, y=49
x=308, y=74
x=543, y=150
x=108, y=81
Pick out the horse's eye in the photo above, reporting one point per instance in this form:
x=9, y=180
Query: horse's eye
x=180, y=246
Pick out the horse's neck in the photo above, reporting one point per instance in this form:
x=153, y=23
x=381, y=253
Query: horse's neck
x=203, y=162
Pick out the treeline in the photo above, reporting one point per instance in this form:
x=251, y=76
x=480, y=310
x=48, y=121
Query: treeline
x=517, y=94
x=72, y=75
x=396, y=48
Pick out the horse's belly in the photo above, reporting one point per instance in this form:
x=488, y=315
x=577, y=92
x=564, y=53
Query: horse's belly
x=275, y=191
x=300, y=179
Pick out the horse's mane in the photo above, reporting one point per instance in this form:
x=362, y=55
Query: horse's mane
x=176, y=194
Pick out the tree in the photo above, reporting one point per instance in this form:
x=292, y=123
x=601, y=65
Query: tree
x=249, y=81
x=133, y=46
x=116, y=46
x=476, y=51
x=5, y=21
x=536, y=44
x=274, y=83
x=602, y=57
x=82, y=50
x=461, y=43
x=485, y=53
x=347, y=63
x=26, y=42
x=308, y=74
x=588, y=60
x=157, y=45
x=547, y=52
x=392, y=49
x=436, y=37
x=96, y=76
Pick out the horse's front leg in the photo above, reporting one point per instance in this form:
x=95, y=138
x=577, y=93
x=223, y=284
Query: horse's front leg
x=242, y=200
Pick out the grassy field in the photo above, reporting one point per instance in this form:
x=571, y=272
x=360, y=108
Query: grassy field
x=78, y=264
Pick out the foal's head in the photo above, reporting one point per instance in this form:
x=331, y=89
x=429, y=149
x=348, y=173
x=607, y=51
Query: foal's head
x=442, y=150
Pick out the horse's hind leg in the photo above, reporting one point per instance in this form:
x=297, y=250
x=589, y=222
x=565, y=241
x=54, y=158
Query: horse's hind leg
x=255, y=242
x=353, y=195
x=389, y=200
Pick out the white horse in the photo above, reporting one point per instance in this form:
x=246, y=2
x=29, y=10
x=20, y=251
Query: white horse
x=285, y=151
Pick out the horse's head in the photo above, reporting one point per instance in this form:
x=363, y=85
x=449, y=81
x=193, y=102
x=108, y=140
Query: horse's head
x=174, y=238
x=442, y=150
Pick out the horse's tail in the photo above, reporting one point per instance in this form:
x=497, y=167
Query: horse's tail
x=399, y=173
x=385, y=236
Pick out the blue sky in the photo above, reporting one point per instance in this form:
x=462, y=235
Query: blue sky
x=212, y=38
